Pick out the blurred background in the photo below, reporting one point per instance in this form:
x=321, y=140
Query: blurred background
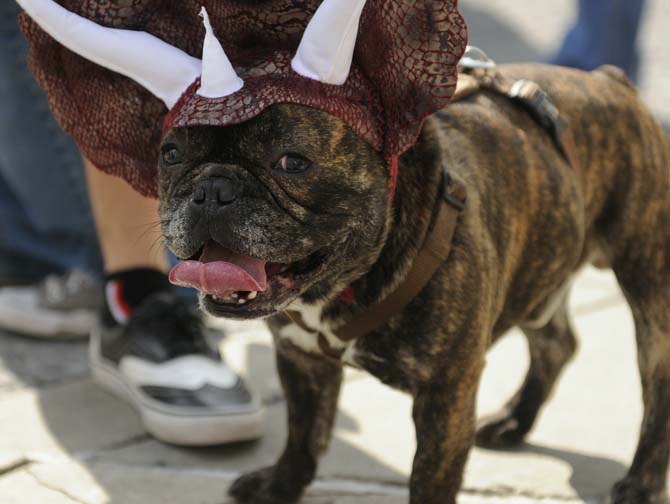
x=529, y=30
x=65, y=441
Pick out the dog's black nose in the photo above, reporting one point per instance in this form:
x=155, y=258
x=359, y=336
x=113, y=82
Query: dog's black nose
x=219, y=191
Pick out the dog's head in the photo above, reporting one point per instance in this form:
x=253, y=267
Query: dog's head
x=292, y=204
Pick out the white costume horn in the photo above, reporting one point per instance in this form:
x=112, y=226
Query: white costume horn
x=162, y=69
x=327, y=46
x=218, y=75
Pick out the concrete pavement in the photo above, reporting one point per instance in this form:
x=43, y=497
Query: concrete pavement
x=62, y=440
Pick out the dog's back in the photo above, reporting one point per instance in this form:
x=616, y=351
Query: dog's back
x=543, y=217
x=526, y=194
x=622, y=154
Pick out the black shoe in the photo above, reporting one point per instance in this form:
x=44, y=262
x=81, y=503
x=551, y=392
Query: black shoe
x=161, y=363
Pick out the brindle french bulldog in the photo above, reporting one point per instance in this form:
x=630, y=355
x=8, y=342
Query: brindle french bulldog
x=291, y=208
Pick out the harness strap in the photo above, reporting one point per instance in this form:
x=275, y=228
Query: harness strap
x=437, y=245
x=529, y=95
x=433, y=253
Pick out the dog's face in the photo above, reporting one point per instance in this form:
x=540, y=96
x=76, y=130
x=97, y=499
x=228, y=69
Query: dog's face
x=291, y=204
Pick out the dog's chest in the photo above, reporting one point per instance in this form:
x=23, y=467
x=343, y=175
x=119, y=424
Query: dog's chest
x=306, y=335
x=396, y=368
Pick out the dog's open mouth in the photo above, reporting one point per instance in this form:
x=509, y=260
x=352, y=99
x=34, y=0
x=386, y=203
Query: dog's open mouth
x=232, y=282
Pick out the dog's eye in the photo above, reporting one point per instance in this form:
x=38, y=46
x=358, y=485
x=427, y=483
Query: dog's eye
x=171, y=155
x=292, y=163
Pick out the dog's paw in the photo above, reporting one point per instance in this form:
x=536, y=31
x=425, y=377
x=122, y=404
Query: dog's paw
x=501, y=431
x=631, y=491
x=263, y=487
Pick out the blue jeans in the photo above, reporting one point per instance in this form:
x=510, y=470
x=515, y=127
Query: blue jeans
x=46, y=222
x=606, y=32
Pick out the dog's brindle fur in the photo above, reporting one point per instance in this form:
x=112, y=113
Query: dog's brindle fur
x=531, y=222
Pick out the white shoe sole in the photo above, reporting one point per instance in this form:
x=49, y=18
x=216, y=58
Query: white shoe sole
x=184, y=427
x=19, y=312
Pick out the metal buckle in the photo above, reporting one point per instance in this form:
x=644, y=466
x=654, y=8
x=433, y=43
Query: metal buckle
x=459, y=205
x=473, y=58
x=539, y=102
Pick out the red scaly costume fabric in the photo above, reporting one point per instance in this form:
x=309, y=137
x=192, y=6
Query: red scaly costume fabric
x=404, y=69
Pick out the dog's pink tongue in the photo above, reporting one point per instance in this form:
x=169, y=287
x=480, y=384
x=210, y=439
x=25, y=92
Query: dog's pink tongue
x=220, y=272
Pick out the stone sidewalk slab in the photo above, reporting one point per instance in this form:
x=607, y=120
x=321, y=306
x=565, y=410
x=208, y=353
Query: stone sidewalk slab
x=104, y=483
x=21, y=487
x=64, y=420
x=594, y=290
x=31, y=362
x=10, y=460
x=581, y=446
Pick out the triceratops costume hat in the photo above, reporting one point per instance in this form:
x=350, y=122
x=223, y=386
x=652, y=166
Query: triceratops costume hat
x=118, y=72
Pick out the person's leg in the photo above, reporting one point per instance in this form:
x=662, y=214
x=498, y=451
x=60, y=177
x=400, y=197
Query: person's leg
x=618, y=44
x=150, y=346
x=15, y=269
x=578, y=48
x=127, y=223
x=45, y=217
x=605, y=33
x=49, y=255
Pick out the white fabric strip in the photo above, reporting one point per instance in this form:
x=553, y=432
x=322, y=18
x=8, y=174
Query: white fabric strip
x=112, y=294
x=219, y=78
x=164, y=70
x=327, y=46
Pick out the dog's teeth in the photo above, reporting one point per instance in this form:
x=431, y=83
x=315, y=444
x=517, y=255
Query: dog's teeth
x=235, y=295
x=241, y=301
x=252, y=295
x=218, y=299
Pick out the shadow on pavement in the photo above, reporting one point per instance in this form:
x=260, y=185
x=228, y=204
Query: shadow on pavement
x=104, y=435
x=36, y=362
x=592, y=476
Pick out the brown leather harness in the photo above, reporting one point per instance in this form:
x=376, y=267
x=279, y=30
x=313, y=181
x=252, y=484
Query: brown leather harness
x=523, y=92
x=433, y=253
x=437, y=246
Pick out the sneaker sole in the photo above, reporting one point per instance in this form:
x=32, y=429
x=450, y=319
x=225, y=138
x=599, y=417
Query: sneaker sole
x=178, y=428
x=64, y=325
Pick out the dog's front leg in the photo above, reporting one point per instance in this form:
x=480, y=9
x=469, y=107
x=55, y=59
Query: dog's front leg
x=311, y=387
x=444, y=417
